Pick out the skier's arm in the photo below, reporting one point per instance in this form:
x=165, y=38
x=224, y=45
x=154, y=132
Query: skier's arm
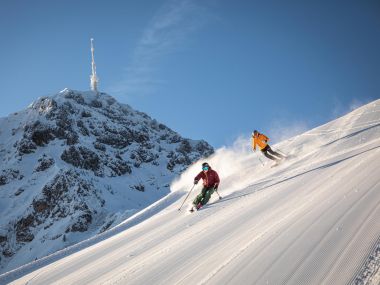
x=217, y=181
x=197, y=178
x=254, y=144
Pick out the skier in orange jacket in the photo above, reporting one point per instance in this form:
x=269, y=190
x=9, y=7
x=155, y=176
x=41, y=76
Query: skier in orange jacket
x=262, y=141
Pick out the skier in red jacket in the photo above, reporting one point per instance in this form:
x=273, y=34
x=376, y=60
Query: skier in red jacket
x=210, y=184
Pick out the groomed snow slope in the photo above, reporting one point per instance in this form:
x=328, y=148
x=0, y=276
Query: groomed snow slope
x=312, y=220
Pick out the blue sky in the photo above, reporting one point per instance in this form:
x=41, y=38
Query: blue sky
x=210, y=69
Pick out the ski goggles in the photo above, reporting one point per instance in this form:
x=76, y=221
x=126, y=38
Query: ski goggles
x=205, y=168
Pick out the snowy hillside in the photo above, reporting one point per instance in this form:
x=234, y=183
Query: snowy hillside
x=312, y=220
x=76, y=164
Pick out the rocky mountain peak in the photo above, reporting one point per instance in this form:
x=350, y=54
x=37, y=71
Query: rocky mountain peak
x=75, y=164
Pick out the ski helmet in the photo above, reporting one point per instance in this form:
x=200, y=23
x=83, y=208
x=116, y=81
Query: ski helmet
x=205, y=165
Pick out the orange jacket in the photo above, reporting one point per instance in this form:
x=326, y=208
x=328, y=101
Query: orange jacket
x=260, y=140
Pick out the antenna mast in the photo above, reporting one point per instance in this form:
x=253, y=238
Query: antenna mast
x=93, y=77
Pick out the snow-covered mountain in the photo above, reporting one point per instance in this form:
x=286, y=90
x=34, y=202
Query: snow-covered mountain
x=314, y=219
x=77, y=163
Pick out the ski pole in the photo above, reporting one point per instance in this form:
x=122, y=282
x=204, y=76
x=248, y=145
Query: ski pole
x=279, y=150
x=220, y=197
x=186, y=197
x=259, y=159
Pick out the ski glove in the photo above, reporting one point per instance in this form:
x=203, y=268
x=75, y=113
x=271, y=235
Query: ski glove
x=216, y=187
x=195, y=181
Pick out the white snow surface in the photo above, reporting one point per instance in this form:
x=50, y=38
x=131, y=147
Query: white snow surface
x=314, y=219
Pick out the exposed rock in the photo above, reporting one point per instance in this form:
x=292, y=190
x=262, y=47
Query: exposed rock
x=175, y=139
x=54, y=191
x=8, y=175
x=142, y=155
x=40, y=206
x=99, y=146
x=82, y=223
x=81, y=157
x=115, y=140
x=23, y=226
x=25, y=146
x=96, y=104
x=86, y=114
x=178, y=159
x=82, y=128
x=44, y=163
x=118, y=167
x=41, y=134
x=19, y=191
x=184, y=147
x=7, y=252
x=75, y=96
x=204, y=148
x=139, y=187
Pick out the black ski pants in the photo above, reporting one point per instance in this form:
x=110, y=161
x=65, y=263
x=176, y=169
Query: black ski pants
x=271, y=154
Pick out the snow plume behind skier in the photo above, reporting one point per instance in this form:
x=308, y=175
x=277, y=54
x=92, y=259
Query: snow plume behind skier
x=239, y=161
x=230, y=162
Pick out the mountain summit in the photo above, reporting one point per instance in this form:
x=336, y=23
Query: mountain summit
x=77, y=163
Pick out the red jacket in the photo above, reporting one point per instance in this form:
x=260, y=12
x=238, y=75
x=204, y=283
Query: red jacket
x=210, y=178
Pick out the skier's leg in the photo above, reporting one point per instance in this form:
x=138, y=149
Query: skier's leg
x=268, y=155
x=207, y=195
x=198, y=199
x=278, y=154
x=272, y=152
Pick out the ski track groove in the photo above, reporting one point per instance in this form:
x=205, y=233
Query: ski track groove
x=363, y=265
x=312, y=198
x=138, y=249
x=141, y=264
x=295, y=241
x=338, y=197
x=364, y=253
x=345, y=246
x=109, y=252
x=263, y=199
x=376, y=265
x=209, y=249
x=283, y=220
x=152, y=255
x=319, y=245
x=263, y=248
x=178, y=242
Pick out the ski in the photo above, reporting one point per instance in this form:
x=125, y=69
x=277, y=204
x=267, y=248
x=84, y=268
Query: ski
x=192, y=210
x=277, y=163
